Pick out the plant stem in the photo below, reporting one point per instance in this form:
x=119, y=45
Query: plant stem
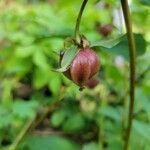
x=21, y=134
x=132, y=54
x=76, y=33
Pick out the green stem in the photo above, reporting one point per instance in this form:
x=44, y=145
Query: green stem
x=76, y=33
x=132, y=51
x=21, y=134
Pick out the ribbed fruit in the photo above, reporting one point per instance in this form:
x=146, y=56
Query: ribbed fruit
x=84, y=66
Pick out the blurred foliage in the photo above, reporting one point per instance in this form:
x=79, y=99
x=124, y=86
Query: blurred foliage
x=42, y=109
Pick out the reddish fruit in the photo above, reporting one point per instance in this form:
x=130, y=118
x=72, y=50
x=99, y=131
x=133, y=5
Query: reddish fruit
x=105, y=30
x=92, y=83
x=84, y=66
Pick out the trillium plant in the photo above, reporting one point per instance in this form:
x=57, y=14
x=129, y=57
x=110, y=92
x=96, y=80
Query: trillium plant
x=80, y=63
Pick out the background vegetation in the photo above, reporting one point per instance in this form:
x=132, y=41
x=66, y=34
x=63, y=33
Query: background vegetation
x=41, y=109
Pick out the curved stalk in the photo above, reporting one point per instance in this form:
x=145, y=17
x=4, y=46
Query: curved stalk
x=132, y=54
x=76, y=33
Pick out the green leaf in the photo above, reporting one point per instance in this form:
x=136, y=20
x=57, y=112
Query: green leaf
x=120, y=46
x=90, y=146
x=106, y=43
x=6, y=116
x=21, y=37
x=58, y=118
x=24, y=109
x=74, y=123
x=62, y=69
x=110, y=112
x=40, y=78
x=54, y=83
x=143, y=129
x=26, y=51
x=40, y=60
x=34, y=142
x=68, y=57
x=145, y=2
x=142, y=101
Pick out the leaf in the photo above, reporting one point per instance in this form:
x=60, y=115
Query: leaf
x=62, y=69
x=21, y=37
x=54, y=83
x=110, y=112
x=142, y=101
x=40, y=60
x=74, y=123
x=40, y=78
x=58, y=117
x=68, y=57
x=145, y=2
x=90, y=146
x=143, y=129
x=24, y=109
x=26, y=51
x=34, y=142
x=6, y=116
x=106, y=43
x=120, y=46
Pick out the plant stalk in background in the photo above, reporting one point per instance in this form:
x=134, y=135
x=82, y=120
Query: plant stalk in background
x=132, y=55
